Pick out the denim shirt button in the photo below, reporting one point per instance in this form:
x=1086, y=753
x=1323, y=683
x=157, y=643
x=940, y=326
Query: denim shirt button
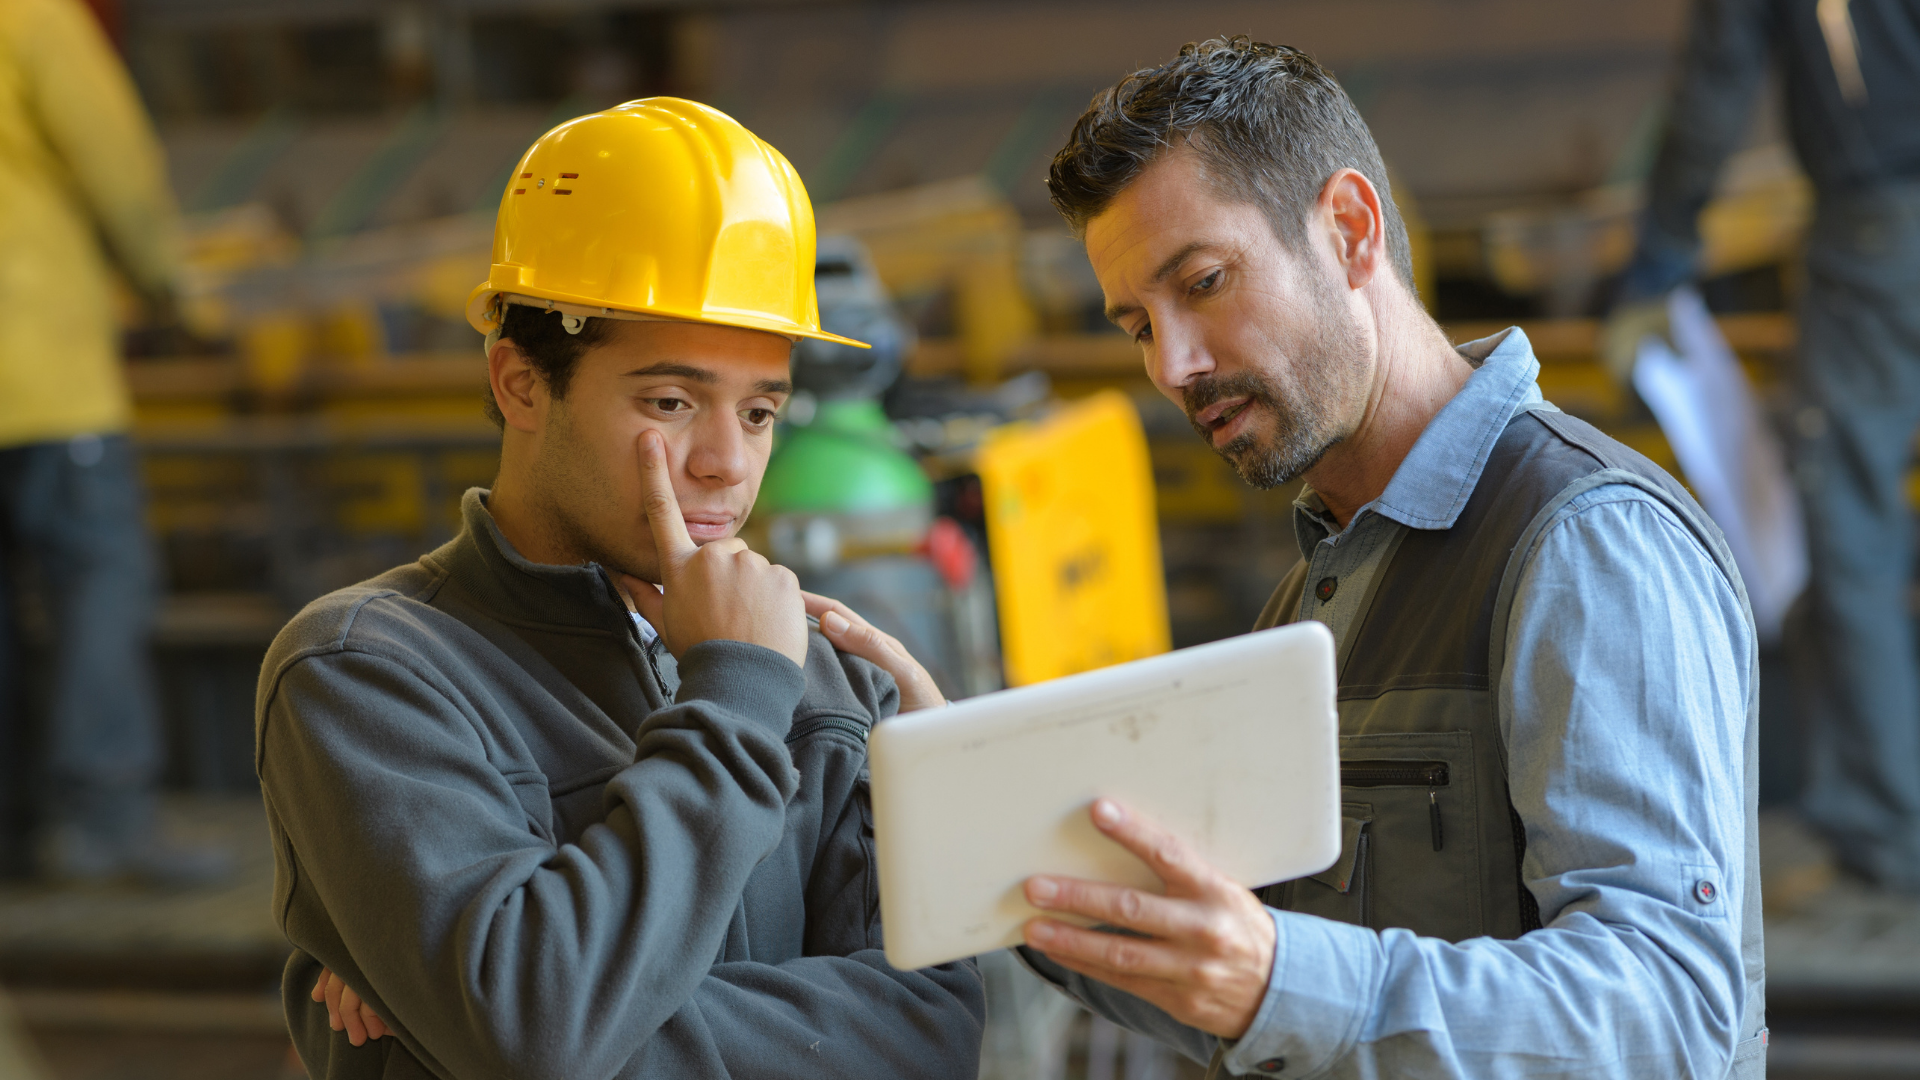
x=1325, y=589
x=1705, y=891
x=1272, y=1065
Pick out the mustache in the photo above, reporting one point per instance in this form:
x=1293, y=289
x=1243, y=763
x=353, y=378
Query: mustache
x=1207, y=389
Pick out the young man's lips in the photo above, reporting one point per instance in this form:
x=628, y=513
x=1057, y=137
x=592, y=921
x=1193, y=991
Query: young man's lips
x=708, y=525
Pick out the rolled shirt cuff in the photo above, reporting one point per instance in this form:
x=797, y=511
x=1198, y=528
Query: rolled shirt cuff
x=1325, y=977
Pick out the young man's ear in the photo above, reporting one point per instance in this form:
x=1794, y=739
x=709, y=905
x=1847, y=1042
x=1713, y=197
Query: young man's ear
x=517, y=388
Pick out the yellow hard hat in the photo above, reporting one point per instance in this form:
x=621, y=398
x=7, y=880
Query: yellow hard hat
x=656, y=209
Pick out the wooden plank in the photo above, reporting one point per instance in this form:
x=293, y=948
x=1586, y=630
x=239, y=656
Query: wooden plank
x=1113, y=355
x=122, y=1011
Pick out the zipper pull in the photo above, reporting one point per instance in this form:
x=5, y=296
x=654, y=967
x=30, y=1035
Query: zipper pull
x=1433, y=816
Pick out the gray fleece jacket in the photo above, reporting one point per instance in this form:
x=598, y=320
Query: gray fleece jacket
x=539, y=850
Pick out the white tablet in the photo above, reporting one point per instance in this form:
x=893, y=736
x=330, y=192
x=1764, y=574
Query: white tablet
x=1232, y=745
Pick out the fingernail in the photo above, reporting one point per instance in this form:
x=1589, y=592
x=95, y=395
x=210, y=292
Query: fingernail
x=1107, y=812
x=834, y=623
x=1042, y=890
x=1040, y=931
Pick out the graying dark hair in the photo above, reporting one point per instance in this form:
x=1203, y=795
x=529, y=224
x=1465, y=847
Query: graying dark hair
x=1270, y=126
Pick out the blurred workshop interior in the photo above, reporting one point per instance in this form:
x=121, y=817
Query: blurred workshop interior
x=996, y=482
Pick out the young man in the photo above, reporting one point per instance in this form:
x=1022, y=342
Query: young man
x=1546, y=681
x=524, y=831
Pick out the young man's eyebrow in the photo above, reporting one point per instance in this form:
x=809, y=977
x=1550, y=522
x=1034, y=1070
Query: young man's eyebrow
x=704, y=376
x=1167, y=266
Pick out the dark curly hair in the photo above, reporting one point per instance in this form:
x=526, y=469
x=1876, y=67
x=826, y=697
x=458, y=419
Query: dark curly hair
x=1269, y=124
x=548, y=347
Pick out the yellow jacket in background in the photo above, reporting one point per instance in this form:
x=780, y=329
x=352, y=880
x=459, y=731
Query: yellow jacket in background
x=82, y=187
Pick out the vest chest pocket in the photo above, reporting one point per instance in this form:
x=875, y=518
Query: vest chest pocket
x=1410, y=855
x=1340, y=892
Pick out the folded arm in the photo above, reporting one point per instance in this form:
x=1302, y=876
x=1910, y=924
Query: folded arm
x=412, y=870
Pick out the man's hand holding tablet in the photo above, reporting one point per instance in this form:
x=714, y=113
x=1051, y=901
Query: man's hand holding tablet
x=1208, y=952
x=1150, y=795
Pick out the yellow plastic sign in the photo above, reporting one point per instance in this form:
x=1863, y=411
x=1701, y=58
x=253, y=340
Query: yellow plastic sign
x=1074, y=541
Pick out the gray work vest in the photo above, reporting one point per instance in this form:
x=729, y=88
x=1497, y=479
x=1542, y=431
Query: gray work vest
x=1431, y=841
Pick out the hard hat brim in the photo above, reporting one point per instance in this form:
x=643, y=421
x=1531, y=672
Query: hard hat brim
x=481, y=316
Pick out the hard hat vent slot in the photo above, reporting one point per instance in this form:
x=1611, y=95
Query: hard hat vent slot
x=526, y=176
x=563, y=191
x=519, y=191
x=569, y=176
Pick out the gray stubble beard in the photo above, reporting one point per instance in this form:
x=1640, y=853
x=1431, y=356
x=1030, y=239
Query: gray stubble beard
x=1304, y=430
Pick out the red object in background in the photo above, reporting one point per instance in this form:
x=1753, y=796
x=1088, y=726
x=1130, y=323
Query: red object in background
x=951, y=553
x=111, y=20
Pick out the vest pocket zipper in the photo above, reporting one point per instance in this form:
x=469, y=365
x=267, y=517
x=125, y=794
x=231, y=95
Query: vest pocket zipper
x=1431, y=775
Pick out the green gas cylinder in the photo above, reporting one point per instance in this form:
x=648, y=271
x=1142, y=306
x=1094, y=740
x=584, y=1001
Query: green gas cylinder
x=838, y=489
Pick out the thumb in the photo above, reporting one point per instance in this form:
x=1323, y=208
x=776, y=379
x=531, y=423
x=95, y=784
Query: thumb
x=647, y=599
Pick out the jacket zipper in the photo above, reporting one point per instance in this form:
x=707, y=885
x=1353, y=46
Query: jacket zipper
x=1431, y=775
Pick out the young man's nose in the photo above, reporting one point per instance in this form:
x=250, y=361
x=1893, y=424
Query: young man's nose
x=719, y=453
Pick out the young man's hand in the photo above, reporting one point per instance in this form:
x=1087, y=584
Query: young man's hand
x=721, y=592
x=852, y=634
x=345, y=1011
x=1208, y=950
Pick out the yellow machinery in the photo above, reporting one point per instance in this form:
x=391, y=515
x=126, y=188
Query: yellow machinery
x=1075, y=544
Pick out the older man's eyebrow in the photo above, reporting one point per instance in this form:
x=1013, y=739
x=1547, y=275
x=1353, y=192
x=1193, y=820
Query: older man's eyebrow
x=1173, y=261
x=1117, y=312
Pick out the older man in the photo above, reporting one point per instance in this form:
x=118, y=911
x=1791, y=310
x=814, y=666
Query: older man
x=1546, y=661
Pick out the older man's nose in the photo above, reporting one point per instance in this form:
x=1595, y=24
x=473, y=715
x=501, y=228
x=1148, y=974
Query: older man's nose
x=1176, y=358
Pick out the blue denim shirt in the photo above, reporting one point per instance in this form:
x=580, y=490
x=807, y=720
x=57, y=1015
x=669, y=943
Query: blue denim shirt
x=1628, y=676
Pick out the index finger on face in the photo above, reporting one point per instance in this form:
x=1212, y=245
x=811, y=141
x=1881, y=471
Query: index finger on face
x=670, y=537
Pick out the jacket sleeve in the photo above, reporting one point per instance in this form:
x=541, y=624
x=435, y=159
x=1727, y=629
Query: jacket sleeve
x=1627, y=765
x=92, y=118
x=493, y=951
x=1725, y=62
x=838, y=1012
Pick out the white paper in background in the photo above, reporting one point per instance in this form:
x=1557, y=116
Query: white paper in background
x=1731, y=457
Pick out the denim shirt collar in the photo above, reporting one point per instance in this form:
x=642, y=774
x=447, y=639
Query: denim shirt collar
x=1433, y=483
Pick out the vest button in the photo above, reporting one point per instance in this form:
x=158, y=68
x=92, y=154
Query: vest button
x=1326, y=588
x=1704, y=891
x=1272, y=1065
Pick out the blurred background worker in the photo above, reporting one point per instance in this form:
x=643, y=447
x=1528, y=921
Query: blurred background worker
x=82, y=188
x=1851, y=74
